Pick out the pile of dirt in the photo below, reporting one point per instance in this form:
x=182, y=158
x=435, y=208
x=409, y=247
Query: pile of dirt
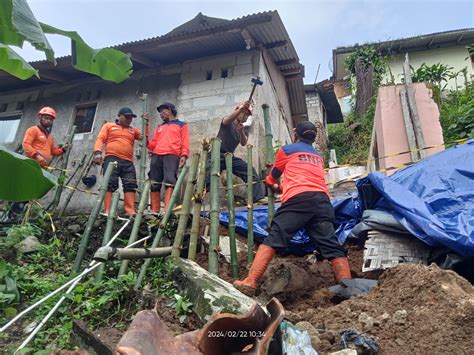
x=415, y=309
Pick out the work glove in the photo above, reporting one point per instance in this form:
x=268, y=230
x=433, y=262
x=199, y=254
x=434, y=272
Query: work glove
x=98, y=158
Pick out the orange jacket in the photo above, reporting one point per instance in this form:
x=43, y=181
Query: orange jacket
x=171, y=137
x=303, y=169
x=118, y=140
x=39, y=140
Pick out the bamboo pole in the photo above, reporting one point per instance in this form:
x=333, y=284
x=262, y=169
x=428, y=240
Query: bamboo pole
x=230, y=204
x=163, y=223
x=269, y=160
x=62, y=175
x=198, y=202
x=136, y=223
x=81, y=163
x=249, y=204
x=76, y=184
x=105, y=254
x=92, y=217
x=214, y=209
x=184, y=213
x=108, y=230
x=142, y=171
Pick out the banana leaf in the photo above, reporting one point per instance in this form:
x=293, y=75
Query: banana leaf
x=12, y=63
x=21, y=178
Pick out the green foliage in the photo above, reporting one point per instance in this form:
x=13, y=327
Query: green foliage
x=434, y=74
x=368, y=56
x=182, y=306
x=8, y=289
x=457, y=114
x=16, y=234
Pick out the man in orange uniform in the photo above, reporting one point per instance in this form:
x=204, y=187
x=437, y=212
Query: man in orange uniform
x=38, y=142
x=305, y=204
x=170, y=150
x=119, y=138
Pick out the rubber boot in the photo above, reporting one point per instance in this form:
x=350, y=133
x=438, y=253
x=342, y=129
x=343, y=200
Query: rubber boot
x=107, y=202
x=341, y=269
x=262, y=259
x=129, y=203
x=155, y=201
x=168, y=193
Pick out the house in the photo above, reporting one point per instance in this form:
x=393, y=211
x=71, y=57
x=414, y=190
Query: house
x=205, y=66
x=448, y=48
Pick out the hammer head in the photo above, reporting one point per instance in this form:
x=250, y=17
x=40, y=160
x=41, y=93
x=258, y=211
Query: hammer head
x=257, y=81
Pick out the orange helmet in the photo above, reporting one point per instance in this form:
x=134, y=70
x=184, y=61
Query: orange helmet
x=47, y=111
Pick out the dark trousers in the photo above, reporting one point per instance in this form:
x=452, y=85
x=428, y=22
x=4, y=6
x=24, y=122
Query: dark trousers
x=239, y=169
x=125, y=170
x=163, y=169
x=313, y=212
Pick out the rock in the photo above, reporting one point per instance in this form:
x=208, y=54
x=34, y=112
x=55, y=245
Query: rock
x=28, y=245
x=208, y=293
x=400, y=341
x=366, y=320
x=224, y=244
x=400, y=317
x=345, y=352
x=74, y=228
x=313, y=333
x=30, y=327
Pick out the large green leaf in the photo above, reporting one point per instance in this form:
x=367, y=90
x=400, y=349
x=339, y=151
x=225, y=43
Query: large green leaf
x=12, y=63
x=108, y=63
x=19, y=24
x=22, y=178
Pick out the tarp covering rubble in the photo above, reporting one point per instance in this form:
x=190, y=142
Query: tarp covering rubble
x=432, y=199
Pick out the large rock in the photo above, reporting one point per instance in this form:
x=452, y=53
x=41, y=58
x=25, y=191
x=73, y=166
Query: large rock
x=208, y=293
x=28, y=245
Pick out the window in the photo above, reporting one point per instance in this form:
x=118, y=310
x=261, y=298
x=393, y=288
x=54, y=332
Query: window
x=9, y=126
x=224, y=73
x=209, y=75
x=84, y=118
x=3, y=107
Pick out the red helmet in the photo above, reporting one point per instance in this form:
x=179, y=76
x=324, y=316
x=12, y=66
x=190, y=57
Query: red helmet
x=47, y=111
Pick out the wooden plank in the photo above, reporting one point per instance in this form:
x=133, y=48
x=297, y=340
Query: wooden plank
x=408, y=126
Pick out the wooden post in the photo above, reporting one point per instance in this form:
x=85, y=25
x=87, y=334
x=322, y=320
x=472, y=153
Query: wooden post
x=198, y=202
x=409, y=126
x=214, y=209
x=269, y=160
x=92, y=217
x=62, y=175
x=108, y=230
x=230, y=204
x=249, y=205
x=187, y=201
x=420, y=140
x=163, y=223
x=136, y=223
x=142, y=172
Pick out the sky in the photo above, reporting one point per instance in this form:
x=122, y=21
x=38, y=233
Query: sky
x=315, y=27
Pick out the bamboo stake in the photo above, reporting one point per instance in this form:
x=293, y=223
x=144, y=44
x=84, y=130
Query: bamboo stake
x=62, y=175
x=136, y=224
x=108, y=230
x=105, y=254
x=142, y=172
x=92, y=217
x=198, y=202
x=76, y=184
x=249, y=204
x=164, y=222
x=230, y=204
x=214, y=209
x=269, y=160
x=184, y=213
x=83, y=160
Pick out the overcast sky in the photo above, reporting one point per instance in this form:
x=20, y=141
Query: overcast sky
x=315, y=27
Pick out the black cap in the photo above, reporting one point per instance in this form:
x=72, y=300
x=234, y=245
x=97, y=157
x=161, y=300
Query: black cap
x=169, y=106
x=126, y=111
x=306, y=130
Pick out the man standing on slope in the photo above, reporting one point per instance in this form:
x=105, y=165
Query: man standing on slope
x=305, y=204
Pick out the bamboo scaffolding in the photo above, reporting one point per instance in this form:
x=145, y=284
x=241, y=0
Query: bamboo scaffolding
x=108, y=230
x=136, y=223
x=81, y=164
x=249, y=204
x=92, y=217
x=105, y=254
x=269, y=160
x=164, y=221
x=196, y=210
x=231, y=227
x=214, y=209
x=142, y=171
x=184, y=213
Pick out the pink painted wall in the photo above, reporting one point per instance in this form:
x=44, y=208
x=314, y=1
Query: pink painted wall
x=390, y=128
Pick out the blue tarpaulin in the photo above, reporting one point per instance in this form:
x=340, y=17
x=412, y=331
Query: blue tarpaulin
x=432, y=199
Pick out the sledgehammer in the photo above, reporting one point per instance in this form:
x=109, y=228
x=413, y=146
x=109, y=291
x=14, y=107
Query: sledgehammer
x=256, y=81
